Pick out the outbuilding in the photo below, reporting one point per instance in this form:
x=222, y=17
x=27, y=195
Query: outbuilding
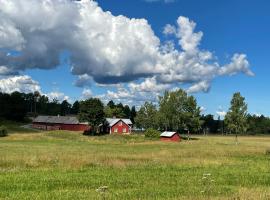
x=170, y=136
x=69, y=123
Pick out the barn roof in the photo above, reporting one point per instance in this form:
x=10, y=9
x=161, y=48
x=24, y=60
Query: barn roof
x=167, y=134
x=57, y=119
x=113, y=121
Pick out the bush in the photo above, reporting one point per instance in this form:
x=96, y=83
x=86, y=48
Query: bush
x=267, y=151
x=92, y=133
x=3, y=131
x=152, y=133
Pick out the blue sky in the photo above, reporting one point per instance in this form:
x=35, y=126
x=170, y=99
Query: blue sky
x=229, y=27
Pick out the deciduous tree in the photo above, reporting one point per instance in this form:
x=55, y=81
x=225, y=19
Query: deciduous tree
x=147, y=116
x=92, y=111
x=236, y=117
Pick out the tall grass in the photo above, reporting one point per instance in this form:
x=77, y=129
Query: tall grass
x=67, y=165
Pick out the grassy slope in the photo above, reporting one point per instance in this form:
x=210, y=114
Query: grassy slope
x=66, y=165
x=15, y=127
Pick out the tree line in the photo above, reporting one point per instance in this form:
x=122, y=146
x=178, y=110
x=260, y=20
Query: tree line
x=17, y=106
x=175, y=110
x=178, y=111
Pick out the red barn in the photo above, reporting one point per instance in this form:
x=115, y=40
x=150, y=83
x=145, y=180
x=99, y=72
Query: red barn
x=69, y=123
x=118, y=126
x=170, y=136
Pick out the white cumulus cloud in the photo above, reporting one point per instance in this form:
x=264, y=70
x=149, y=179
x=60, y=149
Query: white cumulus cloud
x=19, y=83
x=86, y=94
x=108, y=49
x=60, y=96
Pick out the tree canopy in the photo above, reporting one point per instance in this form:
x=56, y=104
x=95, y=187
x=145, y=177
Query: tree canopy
x=236, y=117
x=92, y=111
x=147, y=116
x=178, y=111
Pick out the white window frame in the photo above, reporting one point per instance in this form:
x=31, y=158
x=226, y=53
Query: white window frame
x=115, y=130
x=124, y=130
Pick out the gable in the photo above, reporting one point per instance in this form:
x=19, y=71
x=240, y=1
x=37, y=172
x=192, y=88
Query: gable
x=113, y=121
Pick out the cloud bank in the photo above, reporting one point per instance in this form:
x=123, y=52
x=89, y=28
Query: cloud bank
x=107, y=49
x=25, y=84
x=19, y=83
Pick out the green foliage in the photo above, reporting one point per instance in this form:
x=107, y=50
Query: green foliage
x=133, y=114
x=236, y=118
x=118, y=111
x=3, y=131
x=75, y=108
x=65, y=108
x=147, y=116
x=111, y=104
x=152, y=133
x=92, y=111
x=258, y=124
x=178, y=111
x=13, y=106
x=114, y=112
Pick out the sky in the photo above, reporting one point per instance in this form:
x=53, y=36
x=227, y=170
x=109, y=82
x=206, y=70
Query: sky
x=131, y=51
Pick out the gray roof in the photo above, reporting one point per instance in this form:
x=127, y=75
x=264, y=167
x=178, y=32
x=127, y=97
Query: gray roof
x=167, y=134
x=57, y=119
x=113, y=121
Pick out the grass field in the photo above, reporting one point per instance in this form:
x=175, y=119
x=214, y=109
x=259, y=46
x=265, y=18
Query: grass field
x=67, y=165
x=16, y=127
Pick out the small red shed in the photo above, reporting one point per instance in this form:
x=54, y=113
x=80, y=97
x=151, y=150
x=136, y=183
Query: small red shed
x=170, y=136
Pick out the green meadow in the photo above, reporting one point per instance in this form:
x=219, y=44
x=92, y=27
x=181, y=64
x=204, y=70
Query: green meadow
x=68, y=165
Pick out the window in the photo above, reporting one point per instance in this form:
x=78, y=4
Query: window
x=124, y=130
x=120, y=123
x=115, y=130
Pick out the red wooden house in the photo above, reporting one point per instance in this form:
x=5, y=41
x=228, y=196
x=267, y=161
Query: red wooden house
x=69, y=123
x=118, y=126
x=170, y=136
